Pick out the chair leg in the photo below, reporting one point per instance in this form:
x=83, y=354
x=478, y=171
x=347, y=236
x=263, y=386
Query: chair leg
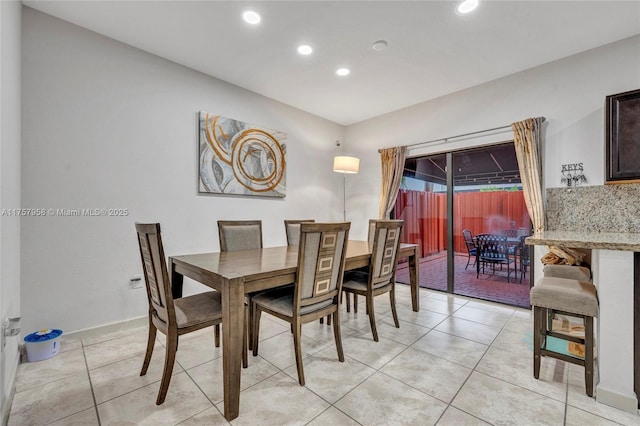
x=216, y=332
x=392, y=299
x=151, y=341
x=250, y=307
x=538, y=315
x=468, y=260
x=297, y=337
x=355, y=303
x=346, y=295
x=245, y=340
x=337, y=335
x=328, y=319
x=169, y=361
x=372, y=318
x=588, y=355
x=255, y=329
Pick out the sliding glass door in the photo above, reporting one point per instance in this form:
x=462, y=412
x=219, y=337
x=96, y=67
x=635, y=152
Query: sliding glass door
x=422, y=204
x=448, y=210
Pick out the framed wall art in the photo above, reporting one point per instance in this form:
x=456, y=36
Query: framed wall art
x=239, y=158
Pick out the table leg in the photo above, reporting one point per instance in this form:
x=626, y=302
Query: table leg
x=232, y=336
x=414, y=279
x=176, y=281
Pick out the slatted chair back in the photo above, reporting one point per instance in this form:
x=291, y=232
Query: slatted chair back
x=384, y=253
x=321, y=258
x=468, y=240
x=292, y=230
x=155, y=272
x=472, y=250
x=510, y=233
x=492, y=248
x=238, y=235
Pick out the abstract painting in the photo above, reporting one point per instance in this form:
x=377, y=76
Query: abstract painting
x=239, y=158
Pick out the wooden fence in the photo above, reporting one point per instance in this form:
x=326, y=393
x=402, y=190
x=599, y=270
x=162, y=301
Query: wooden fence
x=425, y=216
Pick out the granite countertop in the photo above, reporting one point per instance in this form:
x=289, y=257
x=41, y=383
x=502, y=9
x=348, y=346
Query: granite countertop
x=587, y=239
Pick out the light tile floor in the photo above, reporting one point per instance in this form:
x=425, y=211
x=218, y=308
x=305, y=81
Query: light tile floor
x=458, y=361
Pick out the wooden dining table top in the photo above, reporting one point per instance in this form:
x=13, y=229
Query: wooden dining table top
x=265, y=263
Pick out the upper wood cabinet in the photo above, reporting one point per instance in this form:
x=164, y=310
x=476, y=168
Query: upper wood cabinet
x=623, y=137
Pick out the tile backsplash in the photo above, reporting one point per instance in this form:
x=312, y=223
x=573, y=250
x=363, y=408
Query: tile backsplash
x=605, y=208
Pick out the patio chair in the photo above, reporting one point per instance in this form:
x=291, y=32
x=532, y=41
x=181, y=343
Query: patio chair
x=509, y=233
x=472, y=249
x=493, y=250
x=524, y=257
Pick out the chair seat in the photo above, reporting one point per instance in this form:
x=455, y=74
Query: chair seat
x=198, y=309
x=565, y=294
x=280, y=300
x=357, y=280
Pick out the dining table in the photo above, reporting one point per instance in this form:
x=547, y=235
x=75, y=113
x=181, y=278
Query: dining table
x=238, y=273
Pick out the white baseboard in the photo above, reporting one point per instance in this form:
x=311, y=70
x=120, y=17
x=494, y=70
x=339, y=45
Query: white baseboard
x=110, y=328
x=6, y=402
x=624, y=402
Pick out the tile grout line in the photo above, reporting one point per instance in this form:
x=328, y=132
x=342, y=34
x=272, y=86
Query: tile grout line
x=93, y=394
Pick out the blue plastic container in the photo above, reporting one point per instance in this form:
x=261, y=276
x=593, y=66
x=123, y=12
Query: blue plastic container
x=42, y=344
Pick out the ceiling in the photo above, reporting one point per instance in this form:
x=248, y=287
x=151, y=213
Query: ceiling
x=431, y=50
x=492, y=165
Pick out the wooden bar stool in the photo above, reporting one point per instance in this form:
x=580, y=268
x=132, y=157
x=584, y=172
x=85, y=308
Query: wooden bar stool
x=569, y=297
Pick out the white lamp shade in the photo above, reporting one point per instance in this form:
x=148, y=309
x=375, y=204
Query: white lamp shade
x=346, y=164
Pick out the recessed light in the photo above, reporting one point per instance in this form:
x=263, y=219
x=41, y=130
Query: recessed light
x=343, y=72
x=305, y=49
x=379, y=45
x=467, y=6
x=251, y=17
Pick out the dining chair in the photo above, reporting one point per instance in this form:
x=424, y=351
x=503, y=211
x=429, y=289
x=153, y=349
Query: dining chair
x=292, y=230
x=472, y=250
x=320, y=270
x=236, y=235
x=240, y=234
x=493, y=250
x=381, y=275
x=370, y=233
x=171, y=317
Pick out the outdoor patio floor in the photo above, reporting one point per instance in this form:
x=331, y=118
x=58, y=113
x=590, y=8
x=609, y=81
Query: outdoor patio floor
x=488, y=286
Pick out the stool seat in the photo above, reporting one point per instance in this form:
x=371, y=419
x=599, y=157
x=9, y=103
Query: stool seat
x=553, y=295
x=563, y=294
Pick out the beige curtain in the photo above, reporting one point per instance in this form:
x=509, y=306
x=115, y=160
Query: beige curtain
x=527, y=140
x=392, y=169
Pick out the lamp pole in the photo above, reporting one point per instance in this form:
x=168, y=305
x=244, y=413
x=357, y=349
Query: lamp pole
x=344, y=196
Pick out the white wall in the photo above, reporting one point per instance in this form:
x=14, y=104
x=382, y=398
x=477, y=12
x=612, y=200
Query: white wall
x=569, y=92
x=10, y=127
x=109, y=126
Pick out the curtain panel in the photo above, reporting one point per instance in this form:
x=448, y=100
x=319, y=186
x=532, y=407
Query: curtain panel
x=392, y=169
x=527, y=142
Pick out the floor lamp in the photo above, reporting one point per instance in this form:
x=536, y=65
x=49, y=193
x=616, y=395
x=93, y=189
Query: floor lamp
x=345, y=165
